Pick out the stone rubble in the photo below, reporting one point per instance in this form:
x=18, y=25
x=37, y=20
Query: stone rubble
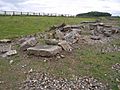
x=116, y=67
x=30, y=42
x=9, y=53
x=5, y=41
x=110, y=48
x=65, y=46
x=64, y=36
x=42, y=81
x=5, y=48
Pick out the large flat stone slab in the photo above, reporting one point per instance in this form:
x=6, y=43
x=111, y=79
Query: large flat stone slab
x=44, y=50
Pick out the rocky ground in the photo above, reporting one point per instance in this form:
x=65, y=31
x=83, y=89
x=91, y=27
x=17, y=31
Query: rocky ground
x=42, y=81
x=55, y=44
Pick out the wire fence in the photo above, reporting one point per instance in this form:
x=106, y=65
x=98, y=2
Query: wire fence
x=16, y=13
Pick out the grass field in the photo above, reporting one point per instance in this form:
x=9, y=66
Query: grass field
x=85, y=61
x=24, y=25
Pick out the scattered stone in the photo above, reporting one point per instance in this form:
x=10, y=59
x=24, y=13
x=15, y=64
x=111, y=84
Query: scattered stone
x=65, y=45
x=5, y=48
x=1, y=82
x=45, y=60
x=116, y=67
x=5, y=41
x=59, y=35
x=95, y=37
x=24, y=66
x=93, y=26
x=88, y=22
x=44, y=50
x=68, y=27
x=62, y=56
x=51, y=41
x=107, y=34
x=11, y=61
x=72, y=37
x=30, y=71
x=58, y=57
x=28, y=43
x=42, y=81
x=9, y=53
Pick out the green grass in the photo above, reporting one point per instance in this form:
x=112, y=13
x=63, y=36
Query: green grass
x=14, y=26
x=85, y=61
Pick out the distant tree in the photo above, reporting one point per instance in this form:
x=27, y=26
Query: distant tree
x=94, y=14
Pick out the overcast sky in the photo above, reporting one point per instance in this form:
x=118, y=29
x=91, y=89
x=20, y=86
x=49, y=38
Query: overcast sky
x=62, y=6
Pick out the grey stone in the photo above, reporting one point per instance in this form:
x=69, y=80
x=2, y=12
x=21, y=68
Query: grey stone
x=69, y=27
x=95, y=37
x=72, y=37
x=65, y=45
x=92, y=26
x=107, y=34
x=28, y=43
x=88, y=22
x=59, y=35
x=77, y=30
x=5, y=48
x=5, y=41
x=10, y=53
x=44, y=50
x=51, y=41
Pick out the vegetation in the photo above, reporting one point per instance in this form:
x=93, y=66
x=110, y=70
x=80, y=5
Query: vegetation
x=85, y=61
x=94, y=14
x=15, y=26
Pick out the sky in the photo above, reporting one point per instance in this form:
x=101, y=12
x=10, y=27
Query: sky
x=71, y=7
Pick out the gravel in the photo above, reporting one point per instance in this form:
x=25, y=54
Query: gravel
x=42, y=81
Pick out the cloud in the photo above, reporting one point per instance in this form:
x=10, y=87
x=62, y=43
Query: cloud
x=62, y=6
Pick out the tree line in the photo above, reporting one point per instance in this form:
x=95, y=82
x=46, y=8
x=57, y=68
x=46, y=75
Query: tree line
x=94, y=14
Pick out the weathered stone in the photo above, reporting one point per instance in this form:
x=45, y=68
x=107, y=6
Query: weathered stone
x=59, y=35
x=65, y=46
x=44, y=50
x=107, y=34
x=107, y=26
x=5, y=41
x=57, y=27
x=88, y=22
x=28, y=43
x=69, y=27
x=72, y=37
x=5, y=48
x=10, y=53
x=21, y=40
x=93, y=26
x=115, y=30
x=95, y=37
x=77, y=30
x=51, y=41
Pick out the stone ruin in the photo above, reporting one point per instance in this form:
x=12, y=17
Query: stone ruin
x=60, y=38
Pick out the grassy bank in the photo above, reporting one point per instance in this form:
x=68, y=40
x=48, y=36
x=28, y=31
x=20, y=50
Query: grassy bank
x=14, y=26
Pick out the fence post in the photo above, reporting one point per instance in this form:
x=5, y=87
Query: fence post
x=13, y=13
x=5, y=13
x=27, y=13
x=21, y=13
x=39, y=14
